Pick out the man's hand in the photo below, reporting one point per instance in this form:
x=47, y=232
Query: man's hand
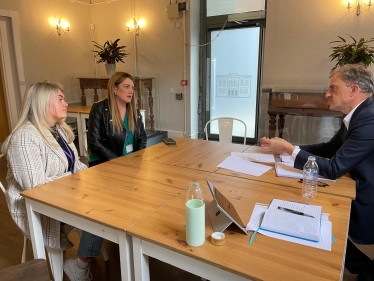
x=277, y=145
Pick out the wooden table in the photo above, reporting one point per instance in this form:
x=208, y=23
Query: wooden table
x=102, y=83
x=106, y=200
x=162, y=235
x=196, y=154
x=296, y=103
x=147, y=188
x=81, y=113
x=345, y=186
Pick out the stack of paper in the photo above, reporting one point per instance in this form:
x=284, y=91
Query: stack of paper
x=255, y=157
x=243, y=166
x=287, y=170
x=293, y=219
x=286, y=158
x=324, y=241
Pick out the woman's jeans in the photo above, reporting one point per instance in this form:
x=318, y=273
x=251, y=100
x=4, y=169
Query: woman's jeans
x=90, y=245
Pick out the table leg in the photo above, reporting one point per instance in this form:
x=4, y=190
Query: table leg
x=151, y=116
x=281, y=125
x=96, y=97
x=125, y=255
x=83, y=97
x=36, y=233
x=141, y=261
x=272, y=124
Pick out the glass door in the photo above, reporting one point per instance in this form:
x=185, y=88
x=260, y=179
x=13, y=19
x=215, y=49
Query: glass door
x=233, y=68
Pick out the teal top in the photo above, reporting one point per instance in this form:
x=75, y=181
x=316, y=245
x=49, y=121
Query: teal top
x=129, y=140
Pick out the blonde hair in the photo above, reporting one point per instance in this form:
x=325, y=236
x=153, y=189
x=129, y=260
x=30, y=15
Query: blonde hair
x=35, y=110
x=116, y=79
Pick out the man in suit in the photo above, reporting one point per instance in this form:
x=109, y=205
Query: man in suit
x=350, y=150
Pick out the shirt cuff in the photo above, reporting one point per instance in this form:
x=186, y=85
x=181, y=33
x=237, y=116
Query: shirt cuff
x=294, y=153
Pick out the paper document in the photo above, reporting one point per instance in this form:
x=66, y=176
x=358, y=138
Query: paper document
x=296, y=219
x=257, y=149
x=287, y=170
x=323, y=243
x=243, y=166
x=256, y=157
x=286, y=158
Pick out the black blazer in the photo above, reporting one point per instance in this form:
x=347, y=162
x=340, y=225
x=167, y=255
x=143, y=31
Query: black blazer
x=101, y=140
x=351, y=151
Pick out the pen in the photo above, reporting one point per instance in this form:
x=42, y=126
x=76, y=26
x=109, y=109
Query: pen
x=294, y=212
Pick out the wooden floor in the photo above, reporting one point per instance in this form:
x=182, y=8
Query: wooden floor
x=11, y=245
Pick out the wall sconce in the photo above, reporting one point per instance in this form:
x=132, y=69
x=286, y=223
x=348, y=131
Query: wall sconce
x=358, y=7
x=135, y=26
x=62, y=27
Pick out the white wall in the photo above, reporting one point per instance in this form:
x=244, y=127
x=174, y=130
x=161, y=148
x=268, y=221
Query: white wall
x=47, y=56
x=160, y=52
x=296, y=48
x=298, y=33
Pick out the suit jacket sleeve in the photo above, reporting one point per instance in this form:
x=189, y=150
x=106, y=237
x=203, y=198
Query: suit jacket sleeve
x=348, y=154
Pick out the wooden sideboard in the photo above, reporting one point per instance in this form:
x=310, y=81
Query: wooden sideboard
x=102, y=83
x=296, y=103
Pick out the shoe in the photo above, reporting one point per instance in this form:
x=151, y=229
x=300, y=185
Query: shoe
x=74, y=272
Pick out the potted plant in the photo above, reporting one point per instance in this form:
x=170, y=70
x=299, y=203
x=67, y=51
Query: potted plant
x=110, y=53
x=356, y=52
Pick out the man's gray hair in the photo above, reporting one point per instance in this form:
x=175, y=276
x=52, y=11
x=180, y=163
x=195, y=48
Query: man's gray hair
x=356, y=74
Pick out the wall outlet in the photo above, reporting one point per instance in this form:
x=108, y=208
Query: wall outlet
x=178, y=96
x=171, y=90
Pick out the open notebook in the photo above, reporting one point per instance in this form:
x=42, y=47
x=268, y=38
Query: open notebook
x=307, y=226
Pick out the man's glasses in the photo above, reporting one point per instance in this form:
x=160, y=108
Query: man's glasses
x=319, y=183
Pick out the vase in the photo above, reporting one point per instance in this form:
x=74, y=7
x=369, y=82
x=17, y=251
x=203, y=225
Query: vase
x=110, y=68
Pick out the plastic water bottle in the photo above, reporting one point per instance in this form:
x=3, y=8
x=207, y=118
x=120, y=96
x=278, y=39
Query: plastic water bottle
x=310, y=178
x=195, y=215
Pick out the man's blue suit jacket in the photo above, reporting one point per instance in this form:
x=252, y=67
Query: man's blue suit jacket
x=351, y=151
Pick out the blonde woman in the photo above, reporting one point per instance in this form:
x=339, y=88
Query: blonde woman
x=115, y=126
x=40, y=149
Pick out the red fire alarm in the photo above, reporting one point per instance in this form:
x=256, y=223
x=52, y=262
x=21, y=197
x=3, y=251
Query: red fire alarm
x=184, y=82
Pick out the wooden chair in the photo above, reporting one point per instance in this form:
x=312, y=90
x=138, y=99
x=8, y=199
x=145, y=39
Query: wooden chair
x=225, y=129
x=34, y=270
x=55, y=256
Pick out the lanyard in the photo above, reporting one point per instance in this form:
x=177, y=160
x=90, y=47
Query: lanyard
x=69, y=153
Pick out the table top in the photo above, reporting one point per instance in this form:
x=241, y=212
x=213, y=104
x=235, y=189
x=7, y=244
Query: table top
x=79, y=109
x=267, y=258
x=190, y=153
x=345, y=186
x=117, y=193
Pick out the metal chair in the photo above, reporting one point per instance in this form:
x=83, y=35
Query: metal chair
x=225, y=129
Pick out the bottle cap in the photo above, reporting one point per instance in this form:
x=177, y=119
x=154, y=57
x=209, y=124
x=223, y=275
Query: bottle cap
x=218, y=238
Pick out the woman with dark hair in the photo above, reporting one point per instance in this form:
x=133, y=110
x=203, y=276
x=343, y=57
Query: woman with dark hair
x=115, y=126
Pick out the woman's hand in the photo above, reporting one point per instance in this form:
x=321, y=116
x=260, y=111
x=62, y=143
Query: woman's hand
x=277, y=145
